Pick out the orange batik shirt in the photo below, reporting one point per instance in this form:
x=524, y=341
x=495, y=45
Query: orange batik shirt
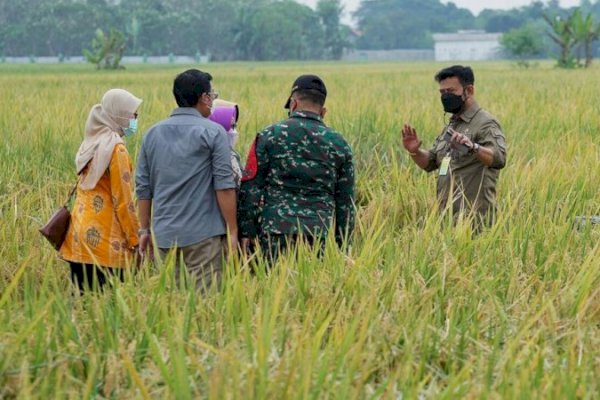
x=104, y=224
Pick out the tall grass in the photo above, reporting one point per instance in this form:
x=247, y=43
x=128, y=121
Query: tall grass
x=417, y=309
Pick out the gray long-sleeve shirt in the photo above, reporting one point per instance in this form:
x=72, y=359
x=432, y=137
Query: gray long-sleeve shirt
x=182, y=162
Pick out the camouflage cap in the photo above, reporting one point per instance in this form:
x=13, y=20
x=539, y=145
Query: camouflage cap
x=307, y=82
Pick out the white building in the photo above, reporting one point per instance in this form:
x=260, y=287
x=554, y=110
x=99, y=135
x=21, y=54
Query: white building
x=467, y=46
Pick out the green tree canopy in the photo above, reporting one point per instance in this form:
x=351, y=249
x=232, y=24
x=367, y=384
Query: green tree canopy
x=330, y=12
x=224, y=29
x=396, y=24
x=524, y=42
x=249, y=29
x=285, y=30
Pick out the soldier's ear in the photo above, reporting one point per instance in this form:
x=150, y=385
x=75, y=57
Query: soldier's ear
x=323, y=112
x=470, y=89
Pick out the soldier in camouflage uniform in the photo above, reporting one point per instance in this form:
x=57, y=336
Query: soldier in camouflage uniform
x=299, y=177
x=468, y=154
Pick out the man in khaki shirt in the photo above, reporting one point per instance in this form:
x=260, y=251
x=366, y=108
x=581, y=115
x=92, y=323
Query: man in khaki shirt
x=469, y=152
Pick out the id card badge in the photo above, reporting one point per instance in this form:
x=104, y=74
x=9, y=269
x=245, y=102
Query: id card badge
x=444, y=166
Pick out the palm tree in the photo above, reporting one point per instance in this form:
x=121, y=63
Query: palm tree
x=107, y=50
x=562, y=34
x=585, y=32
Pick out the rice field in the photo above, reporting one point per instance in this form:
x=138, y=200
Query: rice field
x=418, y=309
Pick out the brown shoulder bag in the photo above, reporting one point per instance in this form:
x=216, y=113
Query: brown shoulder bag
x=55, y=230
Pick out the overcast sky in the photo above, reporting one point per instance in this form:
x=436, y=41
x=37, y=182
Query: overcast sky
x=474, y=5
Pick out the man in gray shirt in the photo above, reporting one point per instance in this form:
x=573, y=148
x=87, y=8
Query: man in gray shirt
x=185, y=180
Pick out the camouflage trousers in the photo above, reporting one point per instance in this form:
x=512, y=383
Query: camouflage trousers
x=272, y=246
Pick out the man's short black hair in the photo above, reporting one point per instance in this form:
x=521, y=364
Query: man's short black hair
x=189, y=86
x=310, y=95
x=464, y=74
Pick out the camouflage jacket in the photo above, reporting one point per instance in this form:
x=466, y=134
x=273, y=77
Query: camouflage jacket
x=299, y=177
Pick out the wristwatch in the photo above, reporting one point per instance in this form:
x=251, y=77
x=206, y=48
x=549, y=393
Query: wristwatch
x=142, y=232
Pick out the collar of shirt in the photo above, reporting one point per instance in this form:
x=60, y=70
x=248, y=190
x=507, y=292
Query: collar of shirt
x=186, y=111
x=469, y=113
x=306, y=114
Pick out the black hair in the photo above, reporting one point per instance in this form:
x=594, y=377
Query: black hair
x=311, y=96
x=464, y=74
x=189, y=86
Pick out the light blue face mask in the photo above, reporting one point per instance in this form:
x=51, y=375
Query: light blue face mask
x=133, y=126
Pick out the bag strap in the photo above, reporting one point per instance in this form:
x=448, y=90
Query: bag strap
x=71, y=193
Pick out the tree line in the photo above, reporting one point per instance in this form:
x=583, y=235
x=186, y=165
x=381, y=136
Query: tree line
x=254, y=29
x=223, y=29
x=573, y=35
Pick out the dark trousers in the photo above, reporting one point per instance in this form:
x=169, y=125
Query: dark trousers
x=90, y=277
x=272, y=246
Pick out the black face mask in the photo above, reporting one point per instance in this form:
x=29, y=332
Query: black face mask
x=452, y=103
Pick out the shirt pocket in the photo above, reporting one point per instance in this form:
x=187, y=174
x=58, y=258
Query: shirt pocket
x=441, y=150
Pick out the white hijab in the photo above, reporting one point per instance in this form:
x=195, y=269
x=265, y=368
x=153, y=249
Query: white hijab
x=103, y=131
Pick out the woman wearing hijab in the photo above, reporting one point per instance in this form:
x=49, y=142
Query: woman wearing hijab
x=226, y=113
x=103, y=235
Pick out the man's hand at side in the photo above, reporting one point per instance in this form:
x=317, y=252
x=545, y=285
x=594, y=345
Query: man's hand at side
x=227, y=200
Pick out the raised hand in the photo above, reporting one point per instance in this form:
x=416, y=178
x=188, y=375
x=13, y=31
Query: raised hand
x=410, y=140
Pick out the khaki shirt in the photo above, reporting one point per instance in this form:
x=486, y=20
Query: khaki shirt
x=472, y=184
